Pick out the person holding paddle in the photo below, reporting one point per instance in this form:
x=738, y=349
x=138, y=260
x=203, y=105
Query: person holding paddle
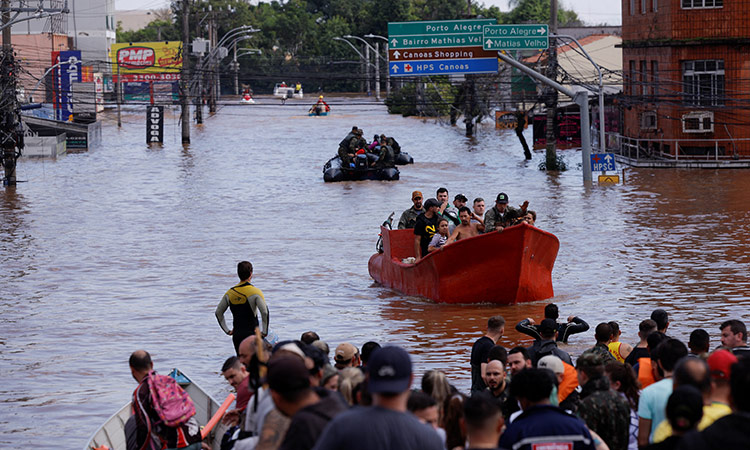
x=244, y=300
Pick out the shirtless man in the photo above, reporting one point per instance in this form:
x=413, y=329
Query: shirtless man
x=467, y=228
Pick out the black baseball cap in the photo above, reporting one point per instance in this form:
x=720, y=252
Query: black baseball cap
x=547, y=326
x=287, y=374
x=389, y=370
x=431, y=202
x=461, y=198
x=502, y=198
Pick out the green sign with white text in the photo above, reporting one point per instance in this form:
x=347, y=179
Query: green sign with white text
x=515, y=37
x=436, y=33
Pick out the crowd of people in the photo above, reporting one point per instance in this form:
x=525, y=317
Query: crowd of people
x=659, y=393
x=437, y=223
x=354, y=148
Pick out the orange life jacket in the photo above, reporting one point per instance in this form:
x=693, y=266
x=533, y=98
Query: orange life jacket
x=645, y=374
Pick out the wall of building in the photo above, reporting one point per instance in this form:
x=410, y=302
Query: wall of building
x=658, y=85
x=34, y=52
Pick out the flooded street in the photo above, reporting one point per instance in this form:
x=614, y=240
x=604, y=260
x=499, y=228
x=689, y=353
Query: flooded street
x=128, y=247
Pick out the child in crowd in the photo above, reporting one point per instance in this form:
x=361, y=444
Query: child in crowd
x=441, y=237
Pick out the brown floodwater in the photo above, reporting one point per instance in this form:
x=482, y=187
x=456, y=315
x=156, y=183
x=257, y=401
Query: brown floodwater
x=126, y=247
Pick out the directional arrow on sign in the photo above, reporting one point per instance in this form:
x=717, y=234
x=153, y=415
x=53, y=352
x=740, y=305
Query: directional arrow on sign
x=394, y=41
x=394, y=68
x=396, y=54
x=489, y=42
x=608, y=158
x=541, y=30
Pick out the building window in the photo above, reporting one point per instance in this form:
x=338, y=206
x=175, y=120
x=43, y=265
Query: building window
x=631, y=78
x=644, y=79
x=648, y=120
x=700, y=4
x=703, y=82
x=655, y=79
x=643, y=6
x=632, y=7
x=698, y=122
x=655, y=6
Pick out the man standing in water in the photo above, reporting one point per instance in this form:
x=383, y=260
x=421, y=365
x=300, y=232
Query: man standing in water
x=244, y=300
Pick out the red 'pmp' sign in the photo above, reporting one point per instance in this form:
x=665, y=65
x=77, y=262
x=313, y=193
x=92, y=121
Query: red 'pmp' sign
x=136, y=57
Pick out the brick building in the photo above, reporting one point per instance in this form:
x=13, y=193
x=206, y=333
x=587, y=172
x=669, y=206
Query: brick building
x=686, y=65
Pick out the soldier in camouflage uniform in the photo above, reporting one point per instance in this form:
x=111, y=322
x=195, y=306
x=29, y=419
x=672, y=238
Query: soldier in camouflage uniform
x=603, y=335
x=501, y=215
x=409, y=217
x=603, y=409
x=344, y=153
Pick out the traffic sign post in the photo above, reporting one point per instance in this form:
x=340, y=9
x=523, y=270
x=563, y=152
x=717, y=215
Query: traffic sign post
x=603, y=162
x=439, y=47
x=515, y=37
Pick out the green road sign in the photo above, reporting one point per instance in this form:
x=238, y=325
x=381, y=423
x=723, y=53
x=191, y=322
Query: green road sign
x=515, y=37
x=436, y=33
x=437, y=27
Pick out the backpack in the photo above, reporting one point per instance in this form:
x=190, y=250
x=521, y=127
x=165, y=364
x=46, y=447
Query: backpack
x=172, y=404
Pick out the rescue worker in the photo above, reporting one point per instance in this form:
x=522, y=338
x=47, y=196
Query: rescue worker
x=344, y=152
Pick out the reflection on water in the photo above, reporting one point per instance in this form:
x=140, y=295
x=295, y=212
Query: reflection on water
x=128, y=247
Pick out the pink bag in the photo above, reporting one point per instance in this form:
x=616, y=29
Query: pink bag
x=173, y=405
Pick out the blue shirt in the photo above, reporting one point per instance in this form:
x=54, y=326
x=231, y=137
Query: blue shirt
x=653, y=403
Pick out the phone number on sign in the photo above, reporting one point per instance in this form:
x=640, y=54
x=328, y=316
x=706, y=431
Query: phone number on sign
x=151, y=77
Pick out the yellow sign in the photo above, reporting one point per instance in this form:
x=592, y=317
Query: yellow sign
x=146, y=57
x=507, y=120
x=609, y=179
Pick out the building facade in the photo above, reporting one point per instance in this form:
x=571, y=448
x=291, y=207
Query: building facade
x=686, y=65
x=90, y=25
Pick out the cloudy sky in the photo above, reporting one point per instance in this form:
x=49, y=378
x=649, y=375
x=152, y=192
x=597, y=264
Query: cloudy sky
x=593, y=12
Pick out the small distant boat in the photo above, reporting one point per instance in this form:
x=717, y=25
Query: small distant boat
x=321, y=114
x=333, y=171
x=247, y=99
x=513, y=266
x=286, y=92
x=112, y=433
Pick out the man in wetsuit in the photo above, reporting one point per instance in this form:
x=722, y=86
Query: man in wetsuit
x=244, y=300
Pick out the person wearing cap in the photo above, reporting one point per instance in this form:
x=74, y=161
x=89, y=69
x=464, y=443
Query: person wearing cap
x=542, y=425
x=409, y=217
x=310, y=410
x=733, y=430
x=567, y=381
x=245, y=301
x=573, y=326
x=344, y=153
x=604, y=410
x=547, y=345
x=346, y=355
x=501, y=215
x=425, y=227
x=386, y=424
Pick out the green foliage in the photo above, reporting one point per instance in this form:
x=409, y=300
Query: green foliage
x=150, y=33
x=437, y=96
x=296, y=37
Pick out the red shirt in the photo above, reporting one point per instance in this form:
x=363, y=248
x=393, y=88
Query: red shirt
x=243, y=393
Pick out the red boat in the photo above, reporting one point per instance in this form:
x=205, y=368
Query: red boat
x=508, y=267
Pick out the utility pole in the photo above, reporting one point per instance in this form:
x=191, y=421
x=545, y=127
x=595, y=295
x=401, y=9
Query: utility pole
x=550, y=94
x=211, y=64
x=9, y=112
x=184, y=77
x=236, y=69
x=377, y=70
x=367, y=68
x=118, y=86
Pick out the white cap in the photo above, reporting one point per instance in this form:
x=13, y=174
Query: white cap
x=552, y=363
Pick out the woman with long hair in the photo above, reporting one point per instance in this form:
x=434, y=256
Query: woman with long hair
x=622, y=378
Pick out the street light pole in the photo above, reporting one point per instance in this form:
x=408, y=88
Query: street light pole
x=377, y=62
x=387, y=70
